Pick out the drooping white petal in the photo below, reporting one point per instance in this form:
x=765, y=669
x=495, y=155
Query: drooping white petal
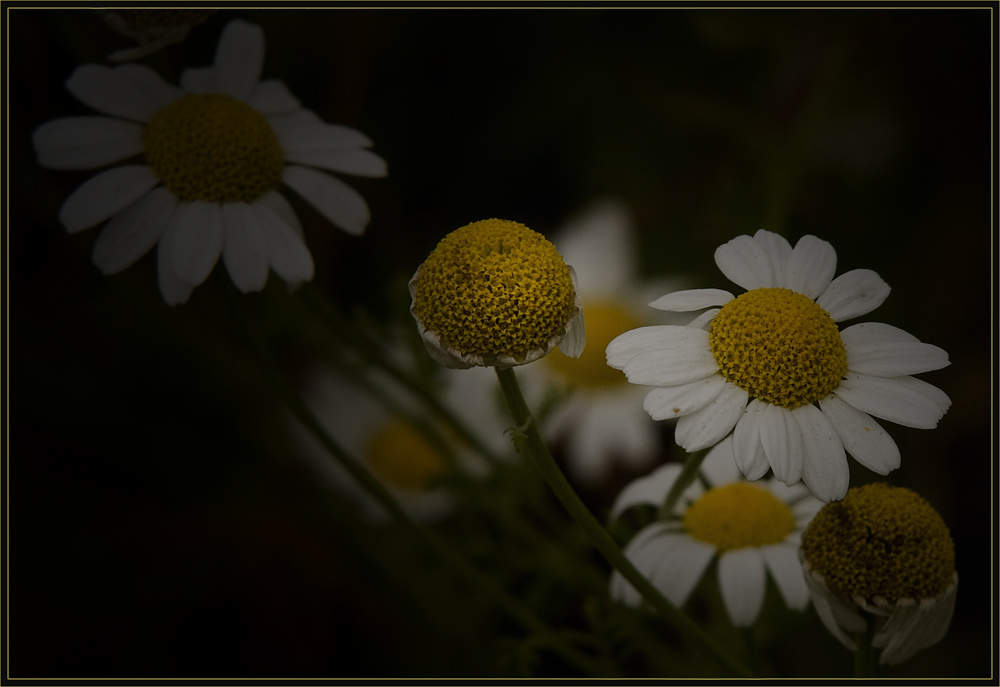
x=663, y=355
x=670, y=402
x=691, y=299
x=782, y=441
x=271, y=97
x=907, y=401
x=86, y=142
x=680, y=563
x=334, y=199
x=881, y=350
x=914, y=625
x=285, y=123
x=706, y=427
x=745, y=263
x=824, y=466
x=174, y=291
x=132, y=232
x=103, y=195
x=704, y=319
x=131, y=91
x=280, y=206
x=853, y=294
x=356, y=161
x=719, y=466
x=299, y=138
x=748, y=452
x=651, y=489
x=833, y=611
x=782, y=561
x=599, y=243
x=742, y=584
x=239, y=59
x=286, y=250
x=245, y=251
x=862, y=436
x=811, y=266
x=778, y=250
x=198, y=235
x=575, y=339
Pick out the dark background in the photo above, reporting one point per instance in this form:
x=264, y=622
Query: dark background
x=157, y=524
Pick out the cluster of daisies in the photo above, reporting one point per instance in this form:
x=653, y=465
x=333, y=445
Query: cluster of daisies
x=768, y=392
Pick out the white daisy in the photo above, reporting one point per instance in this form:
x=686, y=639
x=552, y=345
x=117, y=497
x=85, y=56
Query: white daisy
x=762, y=362
x=750, y=528
x=213, y=154
x=881, y=555
x=601, y=419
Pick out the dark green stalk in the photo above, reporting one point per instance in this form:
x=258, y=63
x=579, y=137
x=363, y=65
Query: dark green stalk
x=866, y=656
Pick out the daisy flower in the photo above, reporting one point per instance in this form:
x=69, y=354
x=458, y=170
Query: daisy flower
x=881, y=555
x=601, y=419
x=749, y=528
x=772, y=367
x=495, y=293
x=212, y=155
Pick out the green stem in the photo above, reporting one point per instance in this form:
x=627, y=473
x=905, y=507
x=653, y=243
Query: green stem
x=683, y=481
x=530, y=441
x=865, y=657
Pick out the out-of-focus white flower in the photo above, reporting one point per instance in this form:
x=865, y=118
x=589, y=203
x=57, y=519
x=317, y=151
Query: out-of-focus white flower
x=751, y=528
x=152, y=29
x=214, y=153
x=772, y=365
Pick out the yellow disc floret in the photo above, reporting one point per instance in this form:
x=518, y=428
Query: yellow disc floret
x=605, y=320
x=780, y=346
x=737, y=516
x=881, y=541
x=404, y=457
x=494, y=288
x=214, y=148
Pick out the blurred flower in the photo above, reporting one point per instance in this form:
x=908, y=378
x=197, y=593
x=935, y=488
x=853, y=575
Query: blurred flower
x=216, y=151
x=749, y=527
x=886, y=552
x=601, y=418
x=761, y=363
x=153, y=29
x=495, y=293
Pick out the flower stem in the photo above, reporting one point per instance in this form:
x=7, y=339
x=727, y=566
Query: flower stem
x=865, y=663
x=530, y=441
x=683, y=481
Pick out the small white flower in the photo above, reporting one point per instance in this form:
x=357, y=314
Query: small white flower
x=750, y=528
x=757, y=365
x=214, y=153
x=881, y=555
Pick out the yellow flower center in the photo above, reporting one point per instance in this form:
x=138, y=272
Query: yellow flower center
x=779, y=346
x=881, y=541
x=605, y=321
x=495, y=287
x=737, y=516
x=404, y=457
x=211, y=147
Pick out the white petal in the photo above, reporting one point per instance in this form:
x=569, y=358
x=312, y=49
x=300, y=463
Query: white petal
x=836, y=614
x=198, y=236
x=334, y=199
x=853, y=294
x=86, y=142
x=882, y=350
x=914, y=625
x=199, y=80
x=359, y=162
x=669, y=402
x=778, y=250
x=745, y=263
x=742, y=583
x=692, y=299
x=811, y=266
x=285, y=248
x=907, y=401
x=671, y=355
x=239, y=59
x=272, y=97
x=575, y=339
x=704, y=319
x=600, y=244
x=131, y=91
x=102, y=196
x=862, y=436
x=824, y=467
x=132, y=232
x=280, y=206
x=747, y=449
x=245, y=250
x=783, y=562
x=782, y=441
x=174, y=291
x=719, y=467
x=299, y=137
x=706, y=427
x=651, y=489
x=680, y=563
